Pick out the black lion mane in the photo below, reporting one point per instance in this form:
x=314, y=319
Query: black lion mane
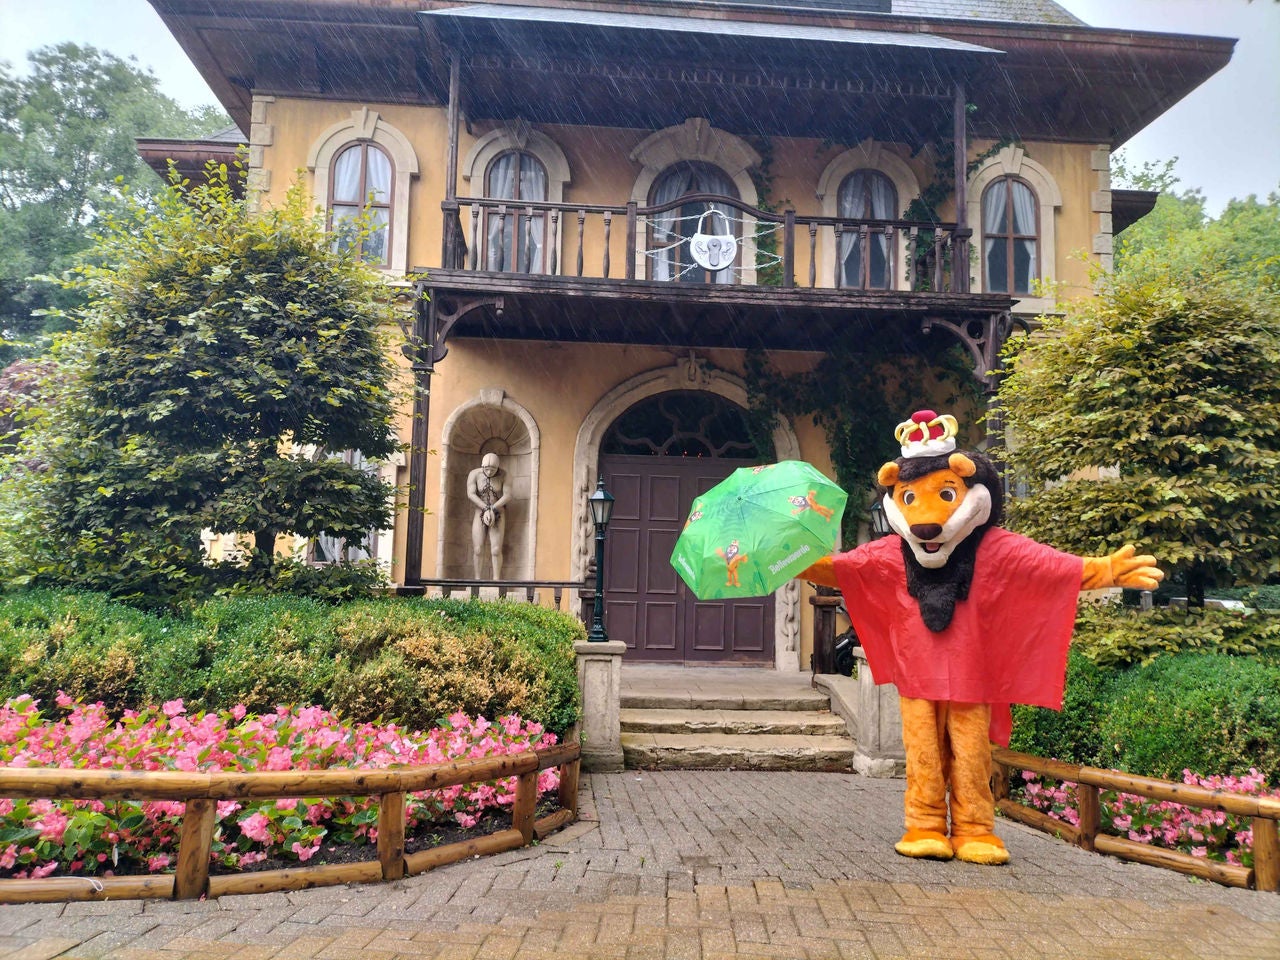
x=938, y=591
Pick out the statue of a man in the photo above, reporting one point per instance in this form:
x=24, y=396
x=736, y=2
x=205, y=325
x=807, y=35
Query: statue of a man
x=485, y=489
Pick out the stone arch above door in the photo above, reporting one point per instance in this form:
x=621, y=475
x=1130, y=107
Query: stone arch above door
x=490, y=423
x=689, y=373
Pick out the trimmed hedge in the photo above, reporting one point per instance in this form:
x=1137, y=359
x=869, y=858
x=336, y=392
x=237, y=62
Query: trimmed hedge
x=413, y=661
x=1207, y=712
x=1115, y=636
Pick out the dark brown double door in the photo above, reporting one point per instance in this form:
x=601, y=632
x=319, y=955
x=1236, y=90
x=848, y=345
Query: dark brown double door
x=646, y=604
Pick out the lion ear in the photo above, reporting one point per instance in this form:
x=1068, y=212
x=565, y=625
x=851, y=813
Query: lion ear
x=961, y=465
x=888, y=474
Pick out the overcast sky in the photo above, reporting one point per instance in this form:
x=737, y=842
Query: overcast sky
x=1226, y=134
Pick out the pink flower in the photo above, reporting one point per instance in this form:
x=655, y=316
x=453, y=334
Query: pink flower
x=255, y=827
x=238, y=712
x=305, y=853
x=157, y=863
x=173, y=708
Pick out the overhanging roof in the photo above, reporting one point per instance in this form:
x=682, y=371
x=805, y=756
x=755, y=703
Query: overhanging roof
x=750, y=34
x=1057, y=79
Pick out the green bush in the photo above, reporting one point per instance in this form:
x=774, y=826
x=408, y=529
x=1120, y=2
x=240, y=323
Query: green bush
x=433, y=657
x=1205, y=712
x=1072, y=734
x=410, y=661
x=1115, y=636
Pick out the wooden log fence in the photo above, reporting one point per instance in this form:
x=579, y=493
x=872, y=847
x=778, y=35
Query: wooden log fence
x=202, y=791
x=1263, y=814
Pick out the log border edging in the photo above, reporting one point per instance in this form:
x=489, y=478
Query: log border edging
x=1263, y=812
x=202, y=791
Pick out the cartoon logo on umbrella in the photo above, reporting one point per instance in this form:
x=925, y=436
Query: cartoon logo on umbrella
x=732, y=560
x=810, y=502
x=695, y=515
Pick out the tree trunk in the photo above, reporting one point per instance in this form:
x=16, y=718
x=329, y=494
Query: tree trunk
x=1195, y=585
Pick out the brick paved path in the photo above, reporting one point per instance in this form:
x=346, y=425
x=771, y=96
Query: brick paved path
x=710, y=865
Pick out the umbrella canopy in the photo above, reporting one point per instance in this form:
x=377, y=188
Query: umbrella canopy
x=754, y=531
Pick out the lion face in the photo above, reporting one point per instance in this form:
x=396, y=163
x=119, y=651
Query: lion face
x=934, y=513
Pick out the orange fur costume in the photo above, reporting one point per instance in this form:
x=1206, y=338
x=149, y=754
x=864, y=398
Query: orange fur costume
x=966, y=619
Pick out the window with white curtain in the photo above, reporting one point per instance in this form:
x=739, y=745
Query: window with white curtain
x=514, y=241
x=361, y=184
x=1010, y=237
x=671, y=230
x=325, y=549
x=866, y=195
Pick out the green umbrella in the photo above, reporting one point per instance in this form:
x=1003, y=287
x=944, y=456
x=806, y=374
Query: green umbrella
x=754, y=531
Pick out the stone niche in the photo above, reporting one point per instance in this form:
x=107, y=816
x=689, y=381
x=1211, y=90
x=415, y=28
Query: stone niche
x=492, y=424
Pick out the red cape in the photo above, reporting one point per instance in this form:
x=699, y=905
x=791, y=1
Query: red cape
x=1007, y=642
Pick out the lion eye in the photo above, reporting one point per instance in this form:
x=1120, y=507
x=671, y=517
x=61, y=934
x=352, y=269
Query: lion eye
x=909, y=497
x=948, y=495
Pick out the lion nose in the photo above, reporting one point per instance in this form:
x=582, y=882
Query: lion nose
x=926, y=531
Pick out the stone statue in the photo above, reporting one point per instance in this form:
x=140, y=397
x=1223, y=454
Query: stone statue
x=485, y=489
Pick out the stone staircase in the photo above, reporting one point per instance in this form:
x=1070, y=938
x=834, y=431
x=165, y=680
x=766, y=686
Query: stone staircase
x=723, y=728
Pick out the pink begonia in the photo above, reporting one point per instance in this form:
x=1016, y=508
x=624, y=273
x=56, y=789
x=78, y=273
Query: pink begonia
x=466, y=820
x=9, y=857
x=157, y=863
x=174, y=708
x=305, y=853
x=255, y=827
x=238, y=712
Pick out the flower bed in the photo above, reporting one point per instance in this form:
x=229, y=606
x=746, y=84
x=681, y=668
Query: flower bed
x=1211, y=834
x=87, y=837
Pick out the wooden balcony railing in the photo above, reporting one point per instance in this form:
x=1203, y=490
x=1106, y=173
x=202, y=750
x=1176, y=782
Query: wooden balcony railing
x=584, y=240
x=1264, y=812
x=201, y=792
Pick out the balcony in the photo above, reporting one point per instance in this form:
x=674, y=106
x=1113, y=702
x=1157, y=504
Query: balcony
x=634, y=242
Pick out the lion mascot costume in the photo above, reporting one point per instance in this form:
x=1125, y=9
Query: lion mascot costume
x=966, y=619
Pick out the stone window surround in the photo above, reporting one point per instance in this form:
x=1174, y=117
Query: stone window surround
x=697, y=140
x=365, y=125
x=868, y=155
x=1012, y=161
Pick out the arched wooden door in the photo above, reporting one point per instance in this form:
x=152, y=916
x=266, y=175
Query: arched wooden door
x=656, y=458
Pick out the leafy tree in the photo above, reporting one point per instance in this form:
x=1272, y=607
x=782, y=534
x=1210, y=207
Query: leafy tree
x=66, y=148
x=1168, y=382
x=1178, y=233
x=217, y=347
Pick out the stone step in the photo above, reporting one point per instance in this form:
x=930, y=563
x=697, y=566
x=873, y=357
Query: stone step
x=803, y=699
x=809, y=723
x=722, y=751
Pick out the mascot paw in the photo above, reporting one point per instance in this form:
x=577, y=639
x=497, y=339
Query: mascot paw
x=989, y=850
x=924, y=843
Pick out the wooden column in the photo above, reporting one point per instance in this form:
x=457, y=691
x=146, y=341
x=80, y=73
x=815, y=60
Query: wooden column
x=419, y=352
x=960, y=249
x=451, y=162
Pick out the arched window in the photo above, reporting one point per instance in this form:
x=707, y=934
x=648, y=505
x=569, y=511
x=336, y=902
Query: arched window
x=361, y=182
x=866, y=195
x=1010, y=237
x=515, y=241
x=672, y=229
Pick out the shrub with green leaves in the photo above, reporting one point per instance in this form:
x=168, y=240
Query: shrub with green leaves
x=1115, y=636
x=1204, y=712
x=412, y=661
x=222, y=351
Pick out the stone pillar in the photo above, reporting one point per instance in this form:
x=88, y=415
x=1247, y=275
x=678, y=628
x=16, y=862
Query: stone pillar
x=600, y=680
x=879, y=751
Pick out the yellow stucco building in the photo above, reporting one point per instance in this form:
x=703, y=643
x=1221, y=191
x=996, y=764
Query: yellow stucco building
x=592, y=211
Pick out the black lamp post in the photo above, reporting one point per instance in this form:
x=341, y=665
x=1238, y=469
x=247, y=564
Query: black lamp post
x=601, y=504
x=879, y=522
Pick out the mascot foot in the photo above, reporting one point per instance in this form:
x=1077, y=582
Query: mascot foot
x=989, y=850
x=925, y=843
